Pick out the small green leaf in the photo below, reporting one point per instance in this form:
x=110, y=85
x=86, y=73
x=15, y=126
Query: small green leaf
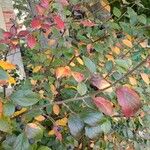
x=5, y=125
x=81, y=88
x=25, y=98
x=75, y=125
x=21, y=143
x=109, y=65
x=44, y=148
x=3, y=75
x=123, y=63
x=106, y=126
x=89, y=64
x=9, y=109
x=93, y=132
x=116, y=12
x=92, y=118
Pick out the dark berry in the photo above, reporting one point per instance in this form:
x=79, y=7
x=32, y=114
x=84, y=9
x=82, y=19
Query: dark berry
x=31, y=141
x=18, y=108
x=93, y=87
x=62, y=56
x=101, y=27
x=22, y=126
x=59, y=129
x=18, y=119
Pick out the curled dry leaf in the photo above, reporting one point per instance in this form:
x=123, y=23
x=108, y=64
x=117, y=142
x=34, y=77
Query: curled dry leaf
x=79, y=77
x=98, y=81
x=63, y=72
x=129, y=101
x=104, y=105
x=87, y=23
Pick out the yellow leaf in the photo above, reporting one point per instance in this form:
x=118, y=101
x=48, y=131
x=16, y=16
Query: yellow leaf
x=133, y=81
x=37, y=69
x=53, y=89
x=11, y=80
x=116, y=50
x=63, y=72
x=39, y=118
x=17, y=113
x=51, y=42
x=110, y=57
x=6, y=65
x=106, y=5
x=145, y=78
x=56, y=109
x=80, y=61
x=1, y=109
x=62, y=122
x=72, y=64
x=127, y=43
x=144, y=44
x=51, y=132
x=33, y=82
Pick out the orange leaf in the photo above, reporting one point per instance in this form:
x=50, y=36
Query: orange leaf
x=39, y=118
x=6, y=65
x=127, y=43
x=1, y=109
x=116, y=50
x=56, y=109
x=145, y=78
x=63, y=72
x=79, y=77
x=133, y=81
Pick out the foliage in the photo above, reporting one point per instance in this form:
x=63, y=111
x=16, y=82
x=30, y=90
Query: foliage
x=88, y=74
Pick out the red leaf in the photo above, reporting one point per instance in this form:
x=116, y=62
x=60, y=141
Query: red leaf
x=129, y=101
x=46, y=26
x=23, y=33
x=39, y=9
x=31, y=41
x=87, y=23
x=57, y=133
x=36, y=23
x=64, y=2
x=104, y=105
x=13, y=30
x=59, y=22
x=7, y=35
x=79, y=77
x=44, y=3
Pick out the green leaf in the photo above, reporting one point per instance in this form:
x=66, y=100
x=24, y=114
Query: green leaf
x=81, y=88
x=89, y=64
x=109, y=65
x=25, y=98
x=116, y=12
x=9, y=109
x=106, y=126
x=3, y=75
x=75, y=125
x=44, y=148
x=92, y=118
x=93, y=132
x=21, y=143
x=5, y=125
x=123, y=63
x=33, y=130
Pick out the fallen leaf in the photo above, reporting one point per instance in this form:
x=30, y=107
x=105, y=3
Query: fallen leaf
x=145, y=78
x=87, y=23
x=80, y=61
x=62, y=122
x=31, y=41
x=104, y=105
x=56, y=109
x=23, y=33
x=37, y=69
x=129, y=101
x=115, y=49
x=79, y=77
x=63, y=72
